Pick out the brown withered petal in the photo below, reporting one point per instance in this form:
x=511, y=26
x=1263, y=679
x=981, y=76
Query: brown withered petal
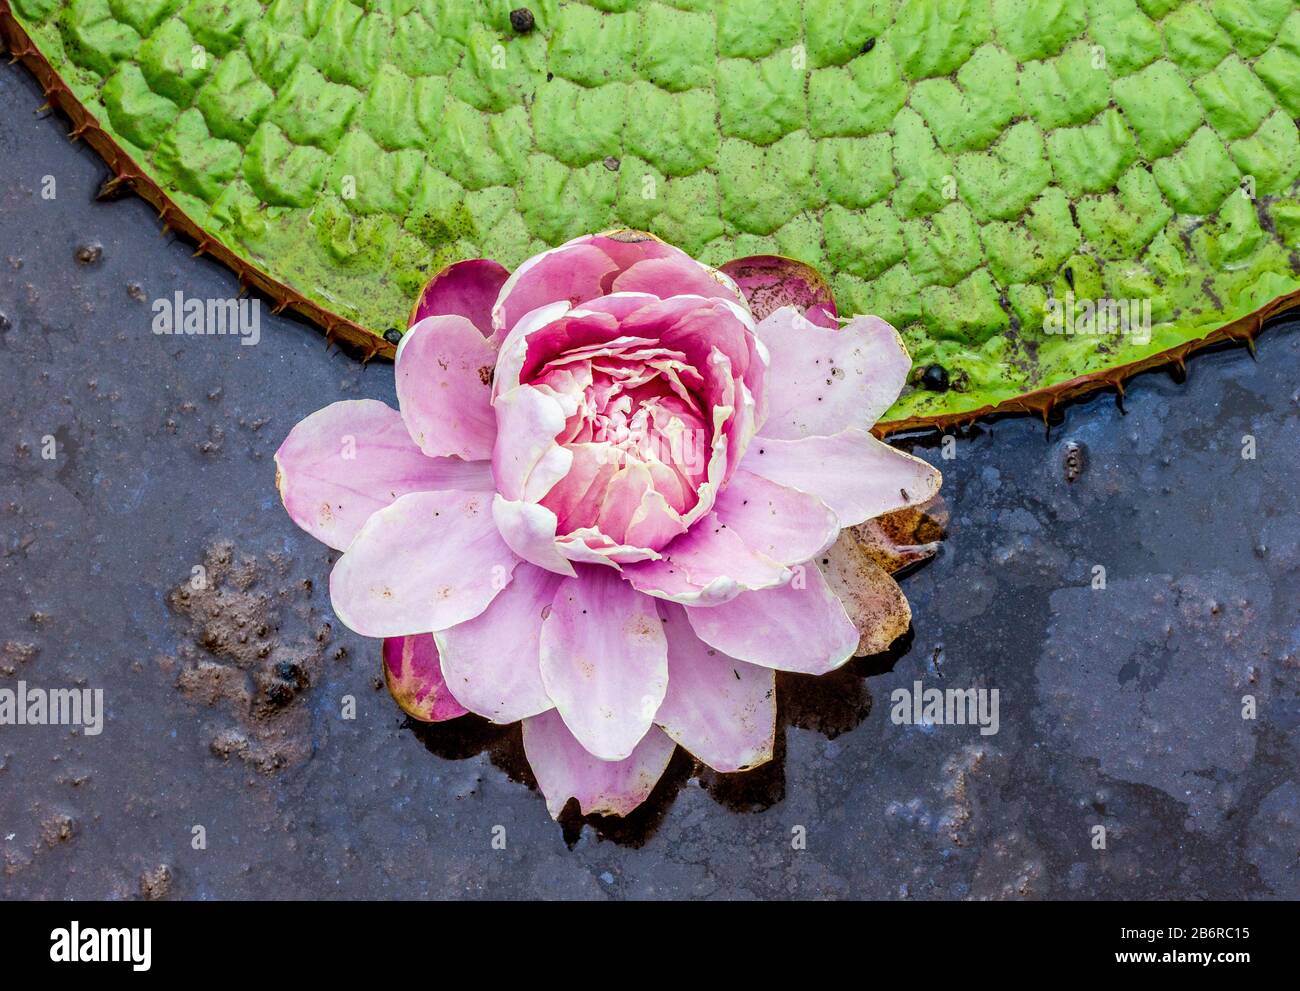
x=873, y=600
x=899, y=540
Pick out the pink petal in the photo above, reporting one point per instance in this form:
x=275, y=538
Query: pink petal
x=427, y=562
x=415, y=681
x=353, y=458
x=770, y=282
x=565, y=770
x=854, y=474
x=822, y=381
x=797, y=627
x=784, y=524
x=590, y=546
x=654, y=523
x=618, y=305
x=627, y=247
x=444, y=387
x=493, y=660
x=665, y=277
x=571, y=273
x=604, y=661
x=720, y=709
x=512, y=344
x=529, y=530
x=466, y=289
x=526, y=460
x=709, y=564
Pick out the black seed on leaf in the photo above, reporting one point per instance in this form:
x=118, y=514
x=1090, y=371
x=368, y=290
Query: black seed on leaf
x=935, y=378
x=1068, y=272
x=522, y=20
x=867, y=45
x=393, y=336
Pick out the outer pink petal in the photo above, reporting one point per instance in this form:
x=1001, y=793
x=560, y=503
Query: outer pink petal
x=493, y=660
x=627, y=247
x=854, y=474
x=427, y=562
x=770, y=282
x=798, y=627
x=618, y=305
x=571, y=273
x=415, y=681
x=565, y=770
x=784, y=524
x=710, y=564
x=720, y=709
x=822, y=381
x=444, y=387
x=529, y=530
x=665, y=277
x=466, y=289
x=604, y=661
x=353, y=458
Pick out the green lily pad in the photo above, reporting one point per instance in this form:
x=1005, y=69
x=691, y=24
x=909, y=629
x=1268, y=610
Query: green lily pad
x=963, y=168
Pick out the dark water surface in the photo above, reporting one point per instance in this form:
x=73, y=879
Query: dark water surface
x=1118, y=707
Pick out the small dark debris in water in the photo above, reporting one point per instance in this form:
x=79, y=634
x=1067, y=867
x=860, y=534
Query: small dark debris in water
x=90, y=252
x=5, y=323
x=58, y=827
x=135, y=291
x=522, y=20
x=156, y=884
x=935, y=378
x=393, y=336
x=280, y=693
x=612, y=163
x=867, y=45
x=1074, y=461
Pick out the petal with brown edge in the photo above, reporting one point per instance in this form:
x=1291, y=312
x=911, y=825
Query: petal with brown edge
x=770, y=282
x=414, y=677
x=873, y=600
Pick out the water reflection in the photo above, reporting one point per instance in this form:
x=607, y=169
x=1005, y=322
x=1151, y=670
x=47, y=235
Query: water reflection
x=829, y=704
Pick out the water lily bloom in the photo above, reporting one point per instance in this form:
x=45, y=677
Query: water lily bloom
x=608, y=504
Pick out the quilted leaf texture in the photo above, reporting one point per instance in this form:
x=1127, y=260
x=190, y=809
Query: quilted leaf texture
x=962, y=168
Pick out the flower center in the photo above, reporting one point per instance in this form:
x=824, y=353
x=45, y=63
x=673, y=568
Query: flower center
x=639, y=437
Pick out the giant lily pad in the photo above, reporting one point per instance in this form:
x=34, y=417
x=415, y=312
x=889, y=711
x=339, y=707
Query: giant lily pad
x=954, y=166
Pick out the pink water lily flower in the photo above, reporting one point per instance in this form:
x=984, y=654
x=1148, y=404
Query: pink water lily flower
x=603, y=506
